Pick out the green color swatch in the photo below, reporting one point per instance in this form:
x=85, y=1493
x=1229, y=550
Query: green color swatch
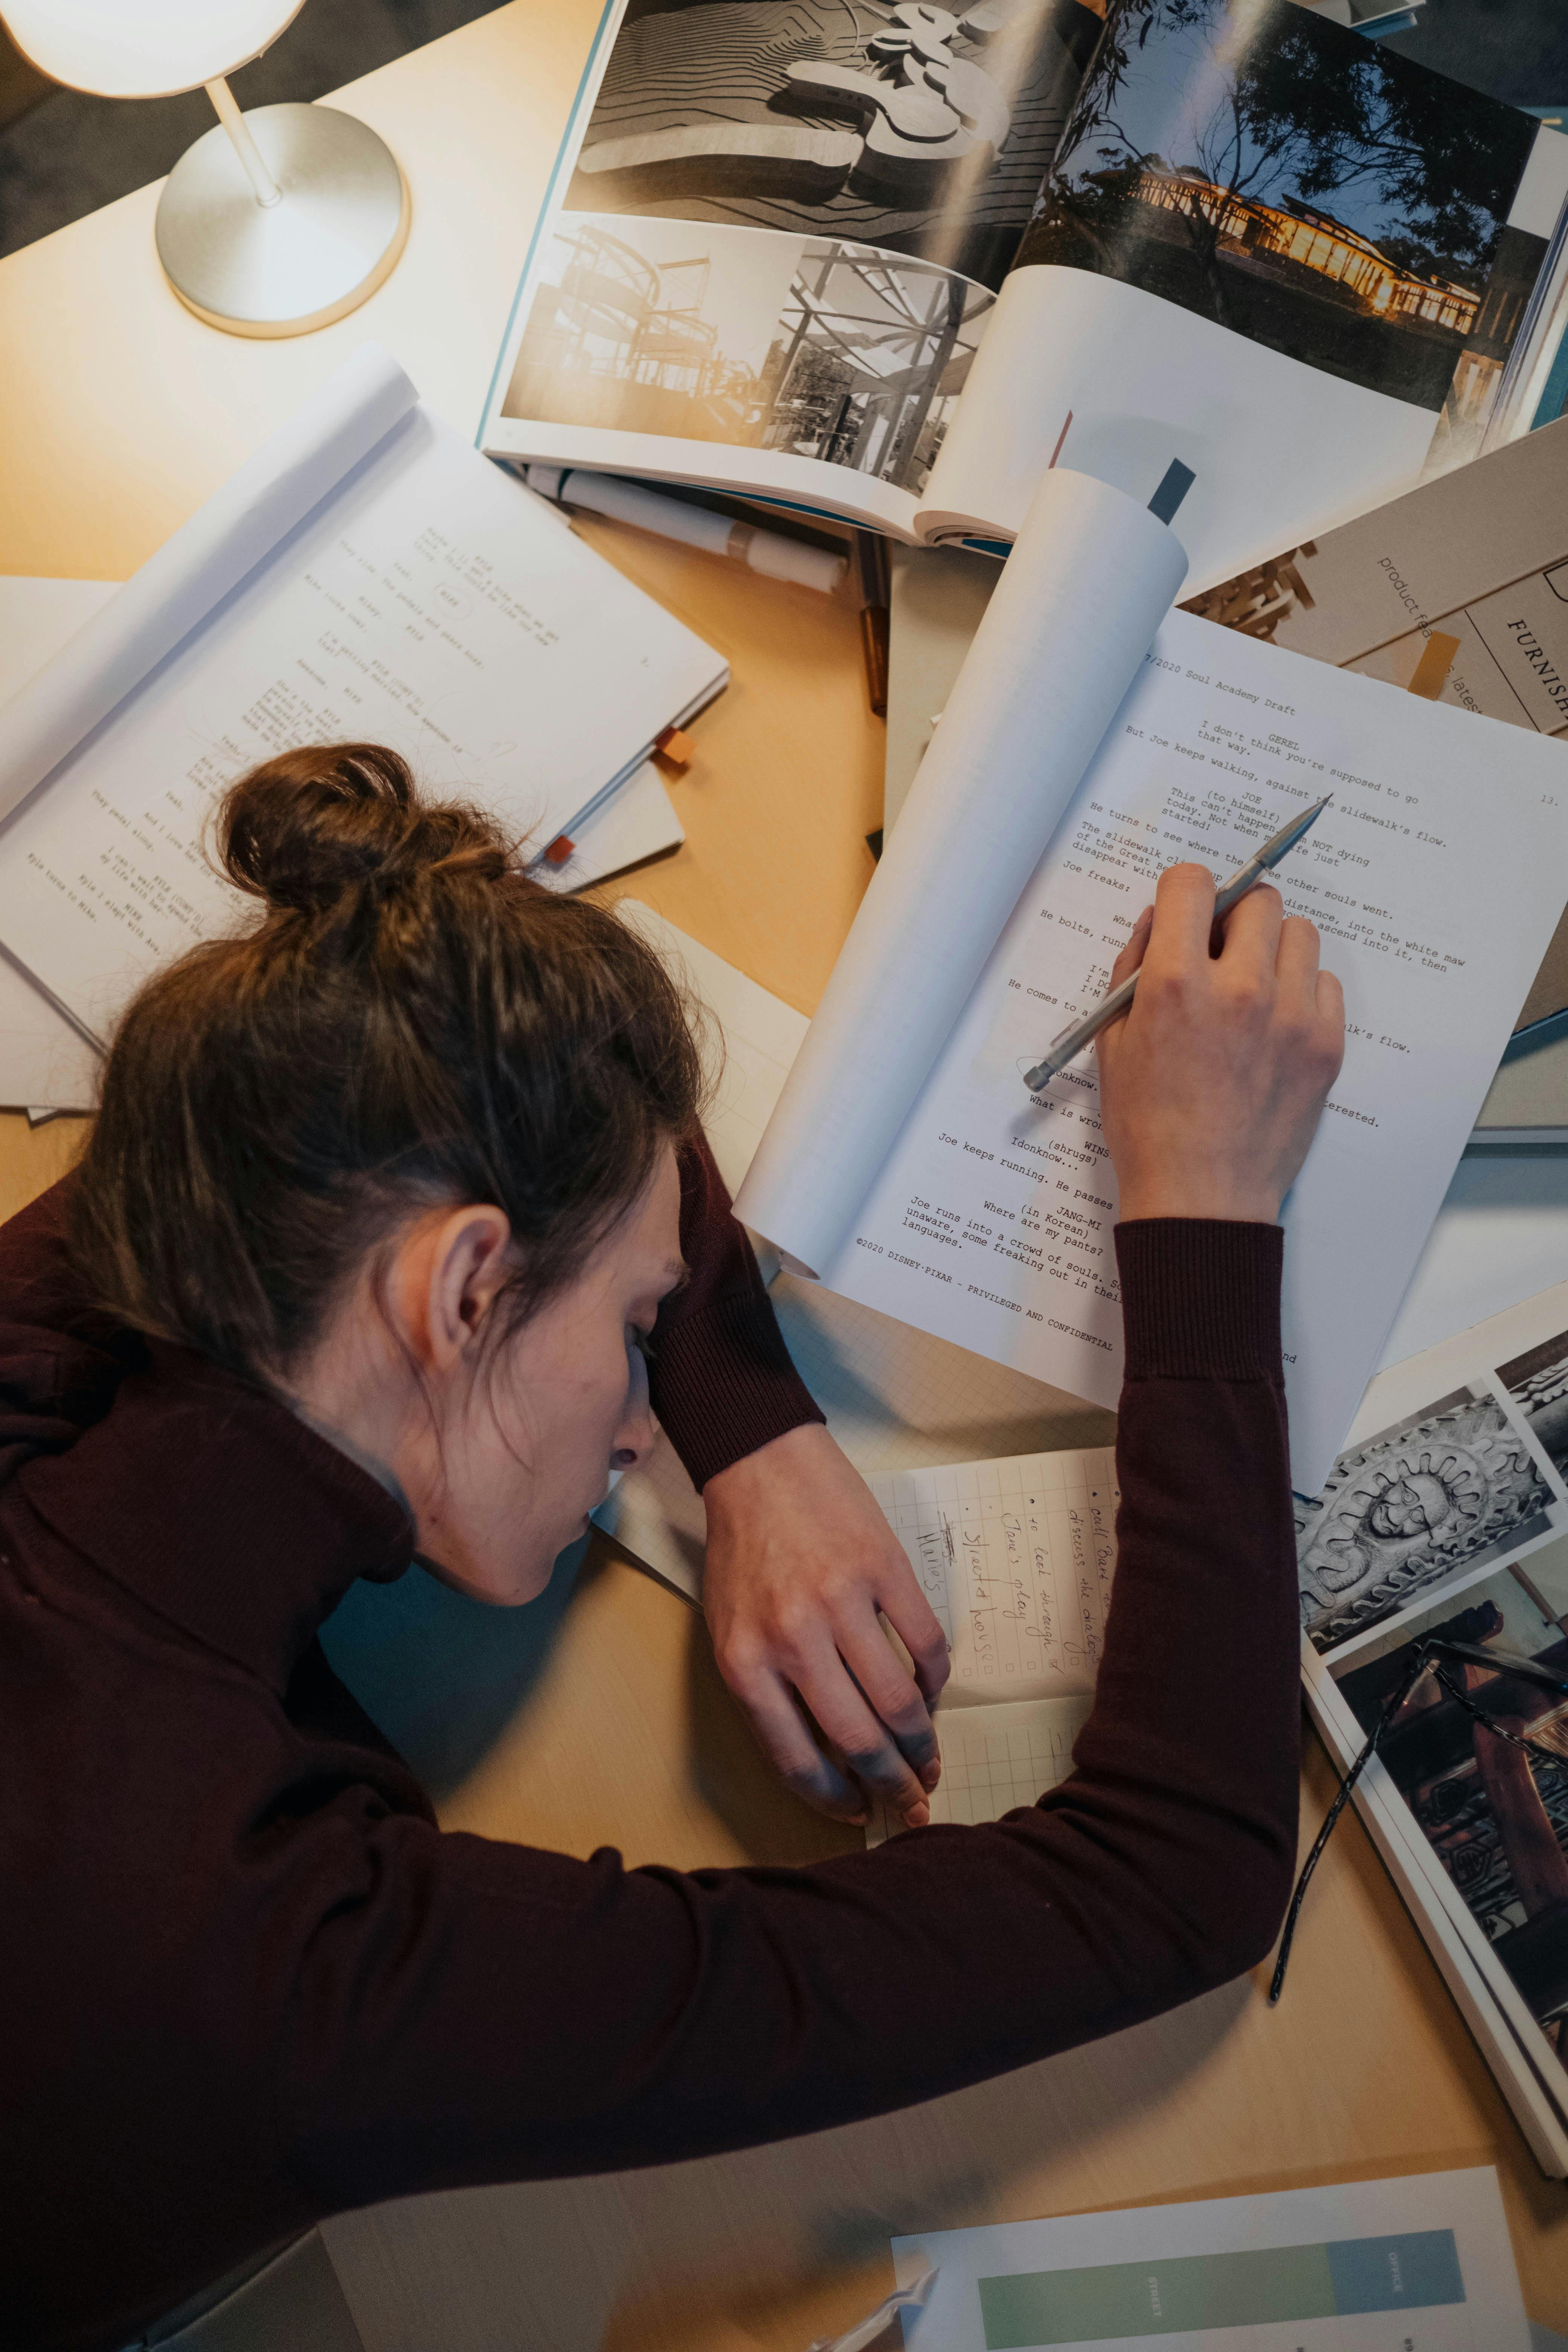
x=1183, y=2292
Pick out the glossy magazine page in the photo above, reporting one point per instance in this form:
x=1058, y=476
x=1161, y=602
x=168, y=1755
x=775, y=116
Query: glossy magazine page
x=1445, y=1517
x=777, y=231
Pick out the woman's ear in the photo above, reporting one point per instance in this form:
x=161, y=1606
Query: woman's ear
x=445, y=1280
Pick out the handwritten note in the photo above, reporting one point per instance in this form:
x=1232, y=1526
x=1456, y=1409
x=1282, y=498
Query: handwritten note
x=1016, y=1558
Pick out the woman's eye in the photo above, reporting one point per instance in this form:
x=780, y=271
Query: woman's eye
x=642, y=1341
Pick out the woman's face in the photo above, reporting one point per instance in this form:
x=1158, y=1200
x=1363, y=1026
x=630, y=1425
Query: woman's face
x=499, y=1451
x=530, y=1438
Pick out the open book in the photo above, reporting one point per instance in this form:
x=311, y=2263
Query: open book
x=365, y=574
x=1446, y=1514
x=872, y=263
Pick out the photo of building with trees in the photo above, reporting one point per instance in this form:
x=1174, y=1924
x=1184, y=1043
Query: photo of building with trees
x=1353, y=217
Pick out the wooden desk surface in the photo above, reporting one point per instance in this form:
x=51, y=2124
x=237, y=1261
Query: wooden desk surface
x=120, y=413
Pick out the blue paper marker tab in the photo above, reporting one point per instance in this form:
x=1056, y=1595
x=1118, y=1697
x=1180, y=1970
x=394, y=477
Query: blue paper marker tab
x=1178, y=481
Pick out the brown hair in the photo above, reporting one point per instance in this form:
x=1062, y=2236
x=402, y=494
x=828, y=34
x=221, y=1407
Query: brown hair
x=412, y=1021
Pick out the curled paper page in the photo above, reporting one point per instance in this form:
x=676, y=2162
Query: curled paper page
x=861, y=2337
x=209, y=555
x=1090, y=579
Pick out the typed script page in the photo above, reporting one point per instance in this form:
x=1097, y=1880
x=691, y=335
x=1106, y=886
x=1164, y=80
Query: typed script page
x=428, y=603
x=1434, y=879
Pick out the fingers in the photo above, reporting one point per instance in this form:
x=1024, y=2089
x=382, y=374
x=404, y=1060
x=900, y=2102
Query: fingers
x=1252, y=932
x=795, y=1754
x=872, y=1670
x=916, y=1623
x=1329, y=1003
x=1183, y=918
x=1133, y=952
x=871, y=1755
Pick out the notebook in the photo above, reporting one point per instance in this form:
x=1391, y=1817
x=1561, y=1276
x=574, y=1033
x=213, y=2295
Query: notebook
x=366, y=573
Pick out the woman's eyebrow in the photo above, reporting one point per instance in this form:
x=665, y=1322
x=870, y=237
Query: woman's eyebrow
x=678, y=1274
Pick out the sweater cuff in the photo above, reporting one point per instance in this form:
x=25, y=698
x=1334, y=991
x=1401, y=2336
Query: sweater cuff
x=726, y=1385
x=1200, y=1298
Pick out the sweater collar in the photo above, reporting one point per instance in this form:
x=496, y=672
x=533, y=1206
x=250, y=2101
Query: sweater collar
x=221, y=1511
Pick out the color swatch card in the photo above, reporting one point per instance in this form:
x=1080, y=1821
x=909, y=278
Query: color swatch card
x=1422, y=2264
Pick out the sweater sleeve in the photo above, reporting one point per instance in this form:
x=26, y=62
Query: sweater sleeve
x=469, y=2011
x=723, y=1382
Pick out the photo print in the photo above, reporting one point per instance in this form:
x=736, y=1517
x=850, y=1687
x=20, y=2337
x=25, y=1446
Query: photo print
x=806, y=345
x=1495, y=1815
x=1315, y=193
x=890, y=122
x=1538, y=1383
x=1434, y=1498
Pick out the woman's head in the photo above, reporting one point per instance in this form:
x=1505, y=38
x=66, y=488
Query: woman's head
x=403, y=1151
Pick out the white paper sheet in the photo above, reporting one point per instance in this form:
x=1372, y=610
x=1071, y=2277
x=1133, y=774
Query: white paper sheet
x=1368, y=2266
x=1064, y=635
x=990, y=1219
x=993, y=1759
x=193, y=572
x=430, y=602
x=45, y=1063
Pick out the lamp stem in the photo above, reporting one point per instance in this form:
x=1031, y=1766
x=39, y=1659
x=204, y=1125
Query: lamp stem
x=268, y=192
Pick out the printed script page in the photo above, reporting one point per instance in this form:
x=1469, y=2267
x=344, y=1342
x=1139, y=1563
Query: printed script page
x=1436, y=878
x=430, y=605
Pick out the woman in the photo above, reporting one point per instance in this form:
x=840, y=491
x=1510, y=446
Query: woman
x=384, y=1199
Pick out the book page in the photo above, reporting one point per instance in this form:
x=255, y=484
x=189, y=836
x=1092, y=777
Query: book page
x=430, y=603
x=1063, y=637
x=775, y=241
x=994, y=1758
x=990, y=1221
x=1145, y=381
x=244, y=522
x=45, y=1061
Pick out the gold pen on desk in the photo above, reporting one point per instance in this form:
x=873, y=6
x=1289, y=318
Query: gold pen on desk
x=871, y=589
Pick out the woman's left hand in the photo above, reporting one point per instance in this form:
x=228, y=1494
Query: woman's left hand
x=800, y=1560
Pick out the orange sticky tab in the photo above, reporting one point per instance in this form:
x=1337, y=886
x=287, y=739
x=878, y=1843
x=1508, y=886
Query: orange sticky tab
x=559, y=850
x=675, y=747
x=1431, y=673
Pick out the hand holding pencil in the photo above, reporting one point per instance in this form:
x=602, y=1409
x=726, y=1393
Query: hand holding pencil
x=1212, y=1086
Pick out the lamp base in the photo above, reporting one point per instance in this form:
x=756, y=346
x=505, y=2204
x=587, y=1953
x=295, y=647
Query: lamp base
x=284, y=268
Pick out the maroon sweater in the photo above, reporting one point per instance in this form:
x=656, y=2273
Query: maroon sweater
x=247, y=1982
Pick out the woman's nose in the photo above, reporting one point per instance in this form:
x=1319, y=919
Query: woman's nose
x=637, y=1428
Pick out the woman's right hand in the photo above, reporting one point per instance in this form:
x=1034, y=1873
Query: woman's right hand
x=1212, y=1086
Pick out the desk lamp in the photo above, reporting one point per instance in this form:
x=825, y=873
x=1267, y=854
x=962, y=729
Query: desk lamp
x=276, y=221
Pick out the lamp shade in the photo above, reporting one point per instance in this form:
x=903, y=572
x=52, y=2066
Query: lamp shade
x=144, y=48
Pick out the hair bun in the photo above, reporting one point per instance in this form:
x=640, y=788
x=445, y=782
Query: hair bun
x=305, y=829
